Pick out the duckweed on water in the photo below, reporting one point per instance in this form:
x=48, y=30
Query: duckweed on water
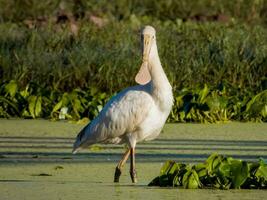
x=216, y=172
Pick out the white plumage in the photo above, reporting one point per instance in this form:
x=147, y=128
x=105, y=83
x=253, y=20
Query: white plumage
x=135, y=114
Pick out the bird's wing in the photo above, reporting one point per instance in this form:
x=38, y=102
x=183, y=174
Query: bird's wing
x=122, y=114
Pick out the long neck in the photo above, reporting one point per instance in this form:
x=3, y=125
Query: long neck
x=158, y=76
x=161, y=88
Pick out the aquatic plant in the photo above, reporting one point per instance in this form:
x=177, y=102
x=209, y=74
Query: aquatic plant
x=205, y=105
x=216, y=172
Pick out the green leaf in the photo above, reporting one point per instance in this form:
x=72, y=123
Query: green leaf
x=25, y=93
x=11, y=88
x=191, y=180
x=240, y=173
x=166, y=173
x=35, y=105
x=77, y=107
x=236, y=170
x=38, y=106
x=154, y=182
x=166, y=167
x=176, y=180
x=201, y=169
x=225, y=173
x=213, y=162
x=57, y=106
x=65, y=99
x=253, y=167
x=10, y=103
x=203, y=94
x=31, y=101
x=261, y=173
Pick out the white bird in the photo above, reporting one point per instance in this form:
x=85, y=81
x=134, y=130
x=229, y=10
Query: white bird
x=135, y=114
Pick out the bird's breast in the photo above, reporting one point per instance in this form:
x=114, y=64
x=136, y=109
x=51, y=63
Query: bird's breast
x=151, y=127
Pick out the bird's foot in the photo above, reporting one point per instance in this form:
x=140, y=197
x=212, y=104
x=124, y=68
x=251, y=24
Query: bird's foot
x=133, y=176
x=117, y=175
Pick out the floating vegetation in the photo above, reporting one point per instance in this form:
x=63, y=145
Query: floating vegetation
x=216, y=172
x=58, y=167
x=42, y=174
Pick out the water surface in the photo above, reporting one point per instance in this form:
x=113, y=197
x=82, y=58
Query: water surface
x=36, y=163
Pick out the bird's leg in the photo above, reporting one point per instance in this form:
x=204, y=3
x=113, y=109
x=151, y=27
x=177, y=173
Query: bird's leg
x=132, y=167
x=120, y=166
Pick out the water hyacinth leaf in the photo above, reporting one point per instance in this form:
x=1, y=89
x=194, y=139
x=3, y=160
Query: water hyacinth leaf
x=35, y=105
x=25, y=93
x=191, y=180
x=229, y=173
x=237, y=171
x=164, y=180
x=11, y=88
x=57, y=106
x=222, y=182
x=10, y=103
x=213, y=162
x=240, y=172
x=164, y=173
x=155, y=182
x=261, y=173
x=178, y=174
x=262, y=162
x=176, y=180
x=203, y=94
x=257, y=105
x=173, y=169
x=264, y=111
x=166, y=167
x=225, y=169
x=258, y=97
x=76, y=105
x=201, y=169
x=253, y=167
x=182, y=115
x=179, y=101
x=31, y=107
x=65, y=99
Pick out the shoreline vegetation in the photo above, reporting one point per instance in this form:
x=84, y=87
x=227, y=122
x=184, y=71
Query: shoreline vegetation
x=65, y=59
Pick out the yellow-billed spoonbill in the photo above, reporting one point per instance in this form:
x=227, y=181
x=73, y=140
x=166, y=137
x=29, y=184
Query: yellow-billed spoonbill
x=137, y=113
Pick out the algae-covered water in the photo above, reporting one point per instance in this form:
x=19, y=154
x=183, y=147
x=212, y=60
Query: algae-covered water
x=36, y=163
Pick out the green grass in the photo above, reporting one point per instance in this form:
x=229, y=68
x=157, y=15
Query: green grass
x=192, y=54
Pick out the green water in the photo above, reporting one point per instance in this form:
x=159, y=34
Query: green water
x=32, y=148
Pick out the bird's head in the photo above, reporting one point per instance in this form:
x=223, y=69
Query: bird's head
x=148, y=42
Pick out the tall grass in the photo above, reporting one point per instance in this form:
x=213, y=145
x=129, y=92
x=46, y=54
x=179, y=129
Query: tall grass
x=250, y=11
x=107, y=58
